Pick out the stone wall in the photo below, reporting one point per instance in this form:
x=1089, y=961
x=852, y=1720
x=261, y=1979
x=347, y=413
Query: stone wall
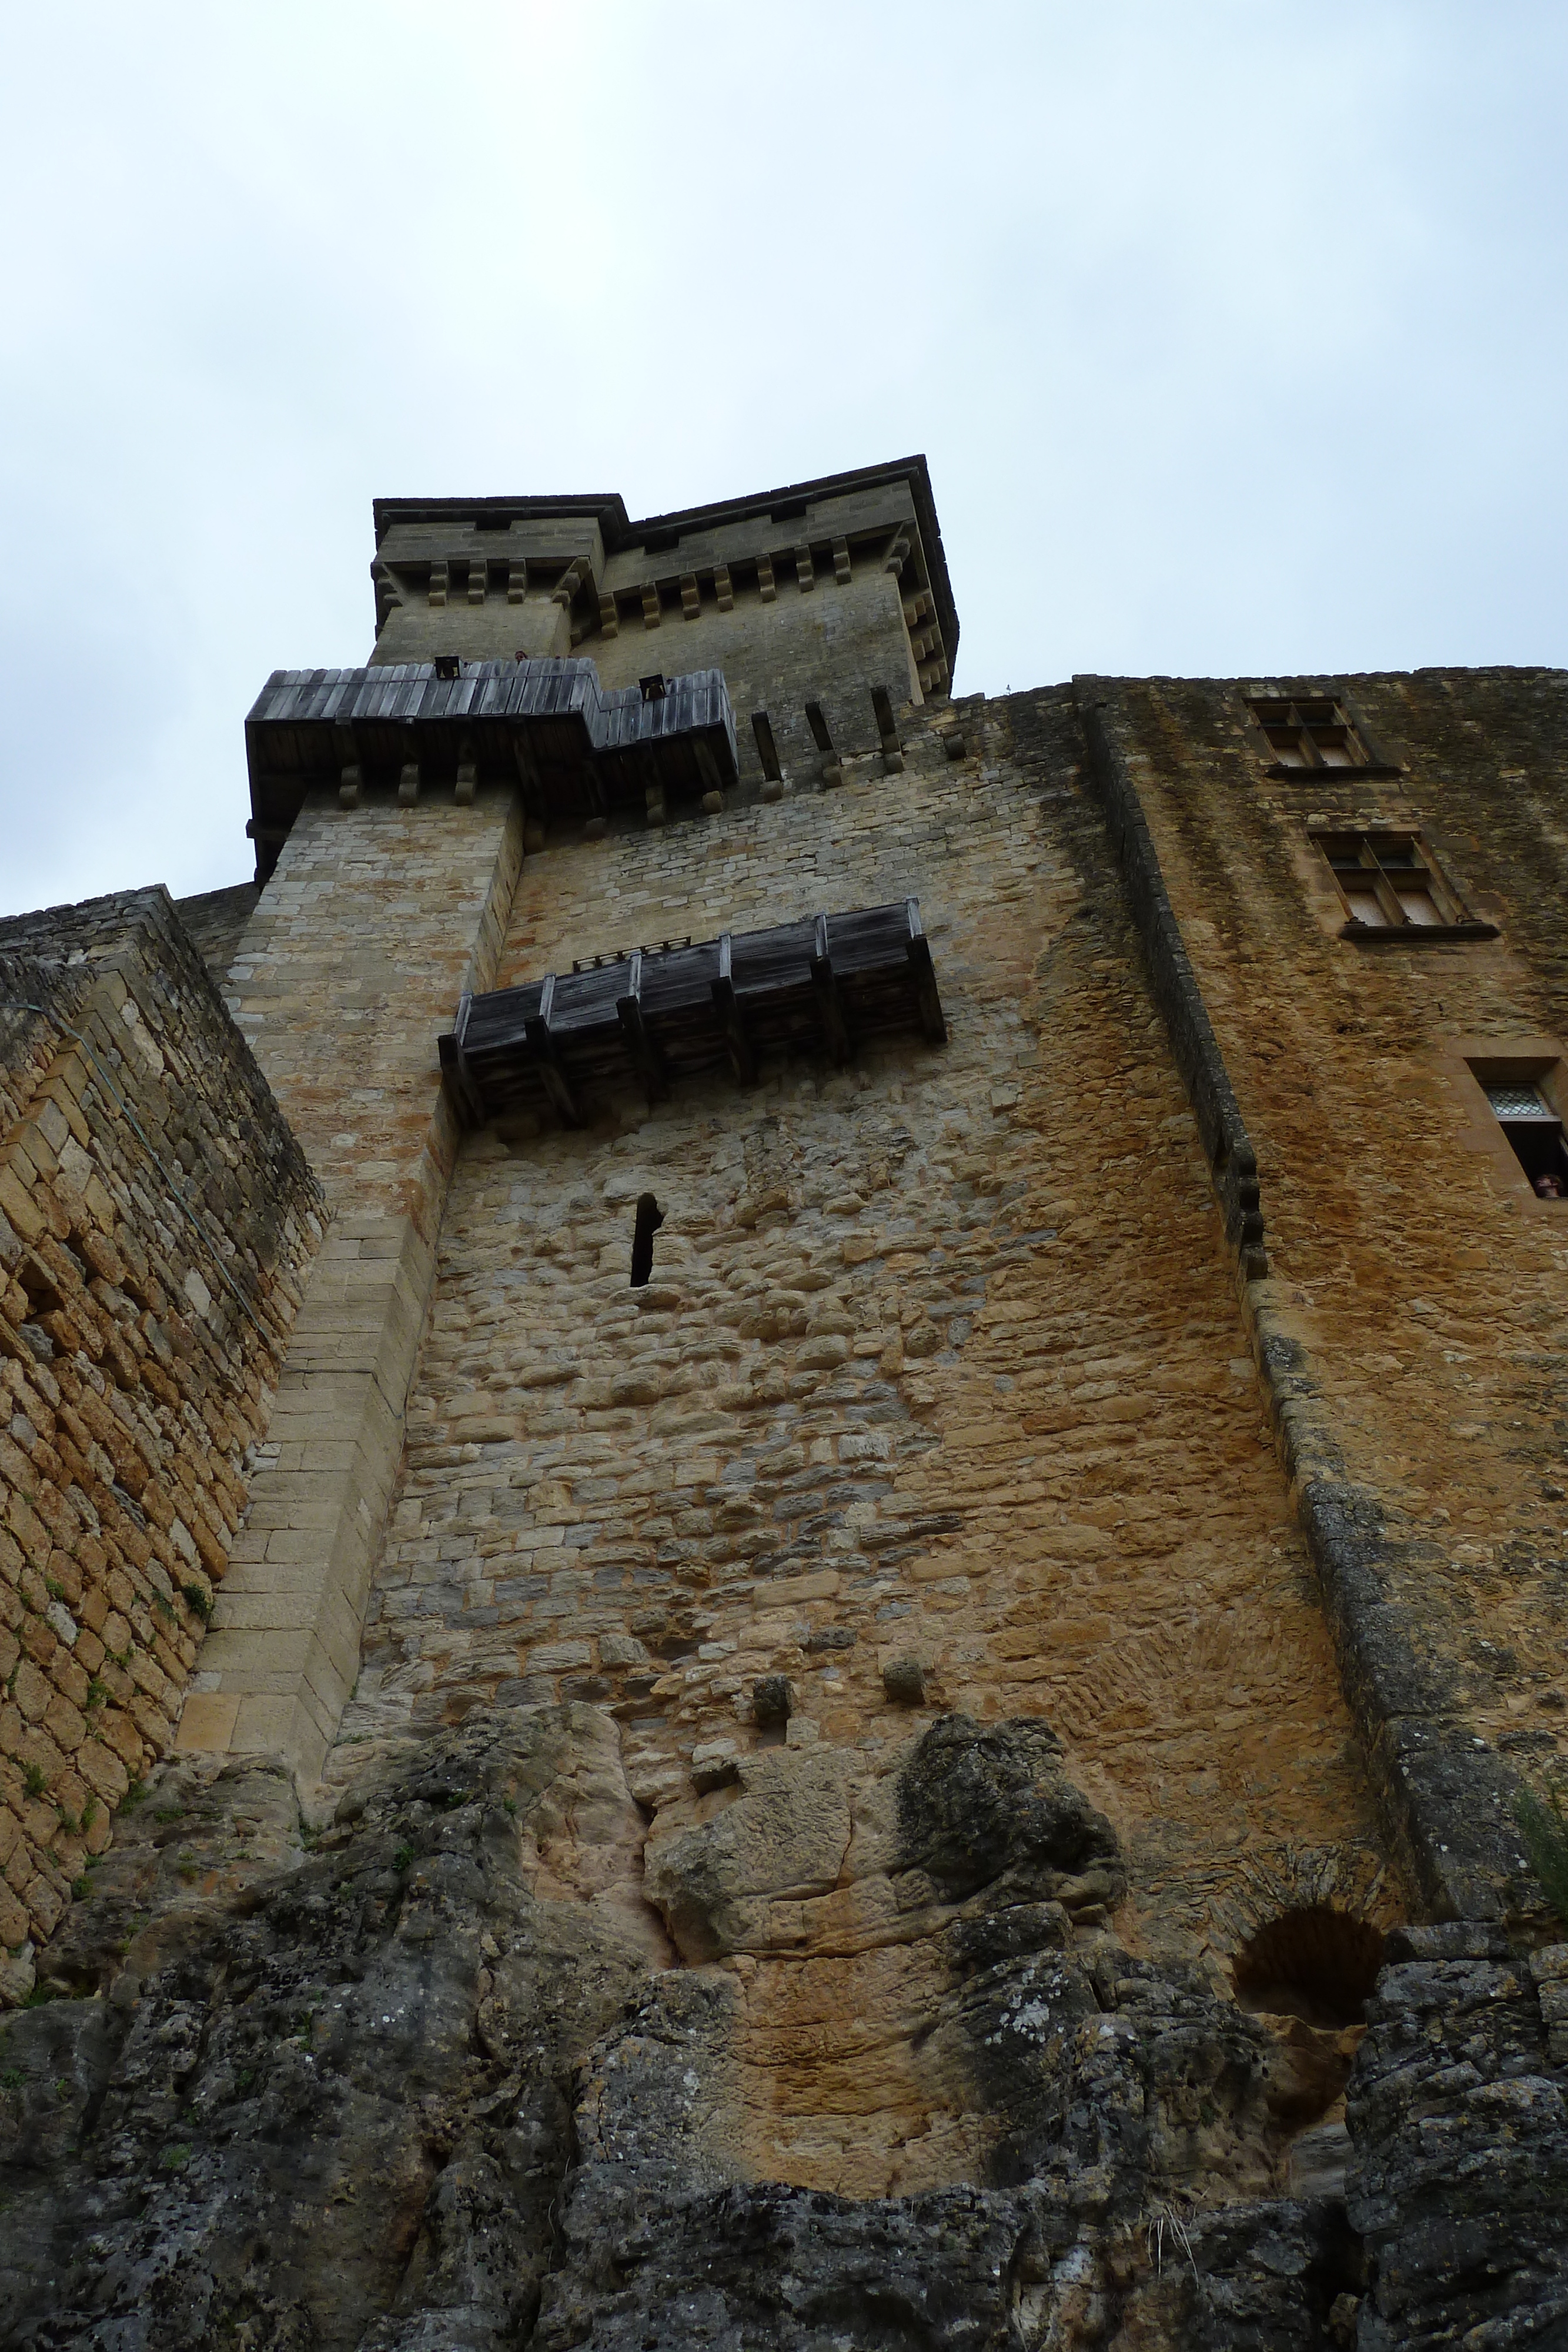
x=1417, y=1288
x=214, y=923
x=373, y=923
x=939, y=1399
x=829, y=644
x=156, y=1223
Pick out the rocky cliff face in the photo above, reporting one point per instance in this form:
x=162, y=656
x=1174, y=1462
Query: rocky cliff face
x=480, y=2065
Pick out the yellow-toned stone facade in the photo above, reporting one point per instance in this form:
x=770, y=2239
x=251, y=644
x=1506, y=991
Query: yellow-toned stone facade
x=941, y=1366
x=157, y=1222
x=1411, y=1262
x=372, y=925
x=954, y=1766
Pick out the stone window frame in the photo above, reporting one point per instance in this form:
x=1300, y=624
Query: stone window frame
x=1310, y=713
x=1397, y=928
x=1471, y=1063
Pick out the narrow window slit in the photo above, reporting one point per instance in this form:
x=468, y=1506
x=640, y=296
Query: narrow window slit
x=649, y=1217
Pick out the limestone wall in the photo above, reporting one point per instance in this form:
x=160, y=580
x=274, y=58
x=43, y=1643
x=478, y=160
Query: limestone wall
x=359, y=946
x=940, y=1367
x=156, y=1223
x=1411, y=1265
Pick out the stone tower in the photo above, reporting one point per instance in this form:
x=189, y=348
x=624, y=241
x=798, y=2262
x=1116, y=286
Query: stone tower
x=900, y=1519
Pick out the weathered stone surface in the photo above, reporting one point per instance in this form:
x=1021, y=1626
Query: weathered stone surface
x=426, y=2078
x=1460, y=2180
x=869, y=1806
x=157, y=1221
x=1040, y=1478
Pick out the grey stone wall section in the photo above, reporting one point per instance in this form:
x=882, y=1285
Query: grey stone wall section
x=214, y=923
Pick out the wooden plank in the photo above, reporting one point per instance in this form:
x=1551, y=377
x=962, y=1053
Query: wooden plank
x=829, y=1005
x=923, y=977
x=542, y=1044
x=727, y=1004
x=643, y=1051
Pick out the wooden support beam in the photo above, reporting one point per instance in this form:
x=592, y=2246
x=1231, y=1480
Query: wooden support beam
x=830, y=1004
x=727, y=1004
x=542, y=1047
x=641, y=1050
x=454, y=1063
x=923, y=977
x=707, y=769
x=887, y=729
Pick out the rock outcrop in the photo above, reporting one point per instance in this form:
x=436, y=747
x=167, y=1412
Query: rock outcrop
x=471, y=2068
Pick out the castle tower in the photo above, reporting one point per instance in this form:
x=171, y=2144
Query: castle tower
x=907, y=1527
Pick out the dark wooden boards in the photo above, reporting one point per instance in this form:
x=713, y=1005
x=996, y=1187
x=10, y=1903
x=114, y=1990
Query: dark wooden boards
x=574, y=748
x=827, y=984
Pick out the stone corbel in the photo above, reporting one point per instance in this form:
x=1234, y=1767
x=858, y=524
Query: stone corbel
x=765, y=581
x=467, y=774
x=350, y=777
x=570, y=579
x=389, y=596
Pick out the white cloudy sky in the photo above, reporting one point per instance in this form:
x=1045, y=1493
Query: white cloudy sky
x=1234, y=333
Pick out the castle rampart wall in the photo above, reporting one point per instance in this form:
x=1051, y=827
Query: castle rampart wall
x=157, y=1221
x=940, y=1369
x=1410, y=1321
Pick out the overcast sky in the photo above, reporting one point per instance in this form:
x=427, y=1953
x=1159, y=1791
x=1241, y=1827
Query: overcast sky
x=1234, y=335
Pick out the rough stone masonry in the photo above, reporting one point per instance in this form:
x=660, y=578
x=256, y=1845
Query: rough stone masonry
x=942, y=1767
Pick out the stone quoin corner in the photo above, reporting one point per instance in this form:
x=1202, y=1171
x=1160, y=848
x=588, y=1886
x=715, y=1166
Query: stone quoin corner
x=784, y=1491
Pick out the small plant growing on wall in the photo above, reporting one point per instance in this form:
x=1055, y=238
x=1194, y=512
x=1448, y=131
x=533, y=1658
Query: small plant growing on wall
x=1545, y=1828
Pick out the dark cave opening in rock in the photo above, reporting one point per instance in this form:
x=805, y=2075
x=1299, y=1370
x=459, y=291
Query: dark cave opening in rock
x=1317, y=1964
